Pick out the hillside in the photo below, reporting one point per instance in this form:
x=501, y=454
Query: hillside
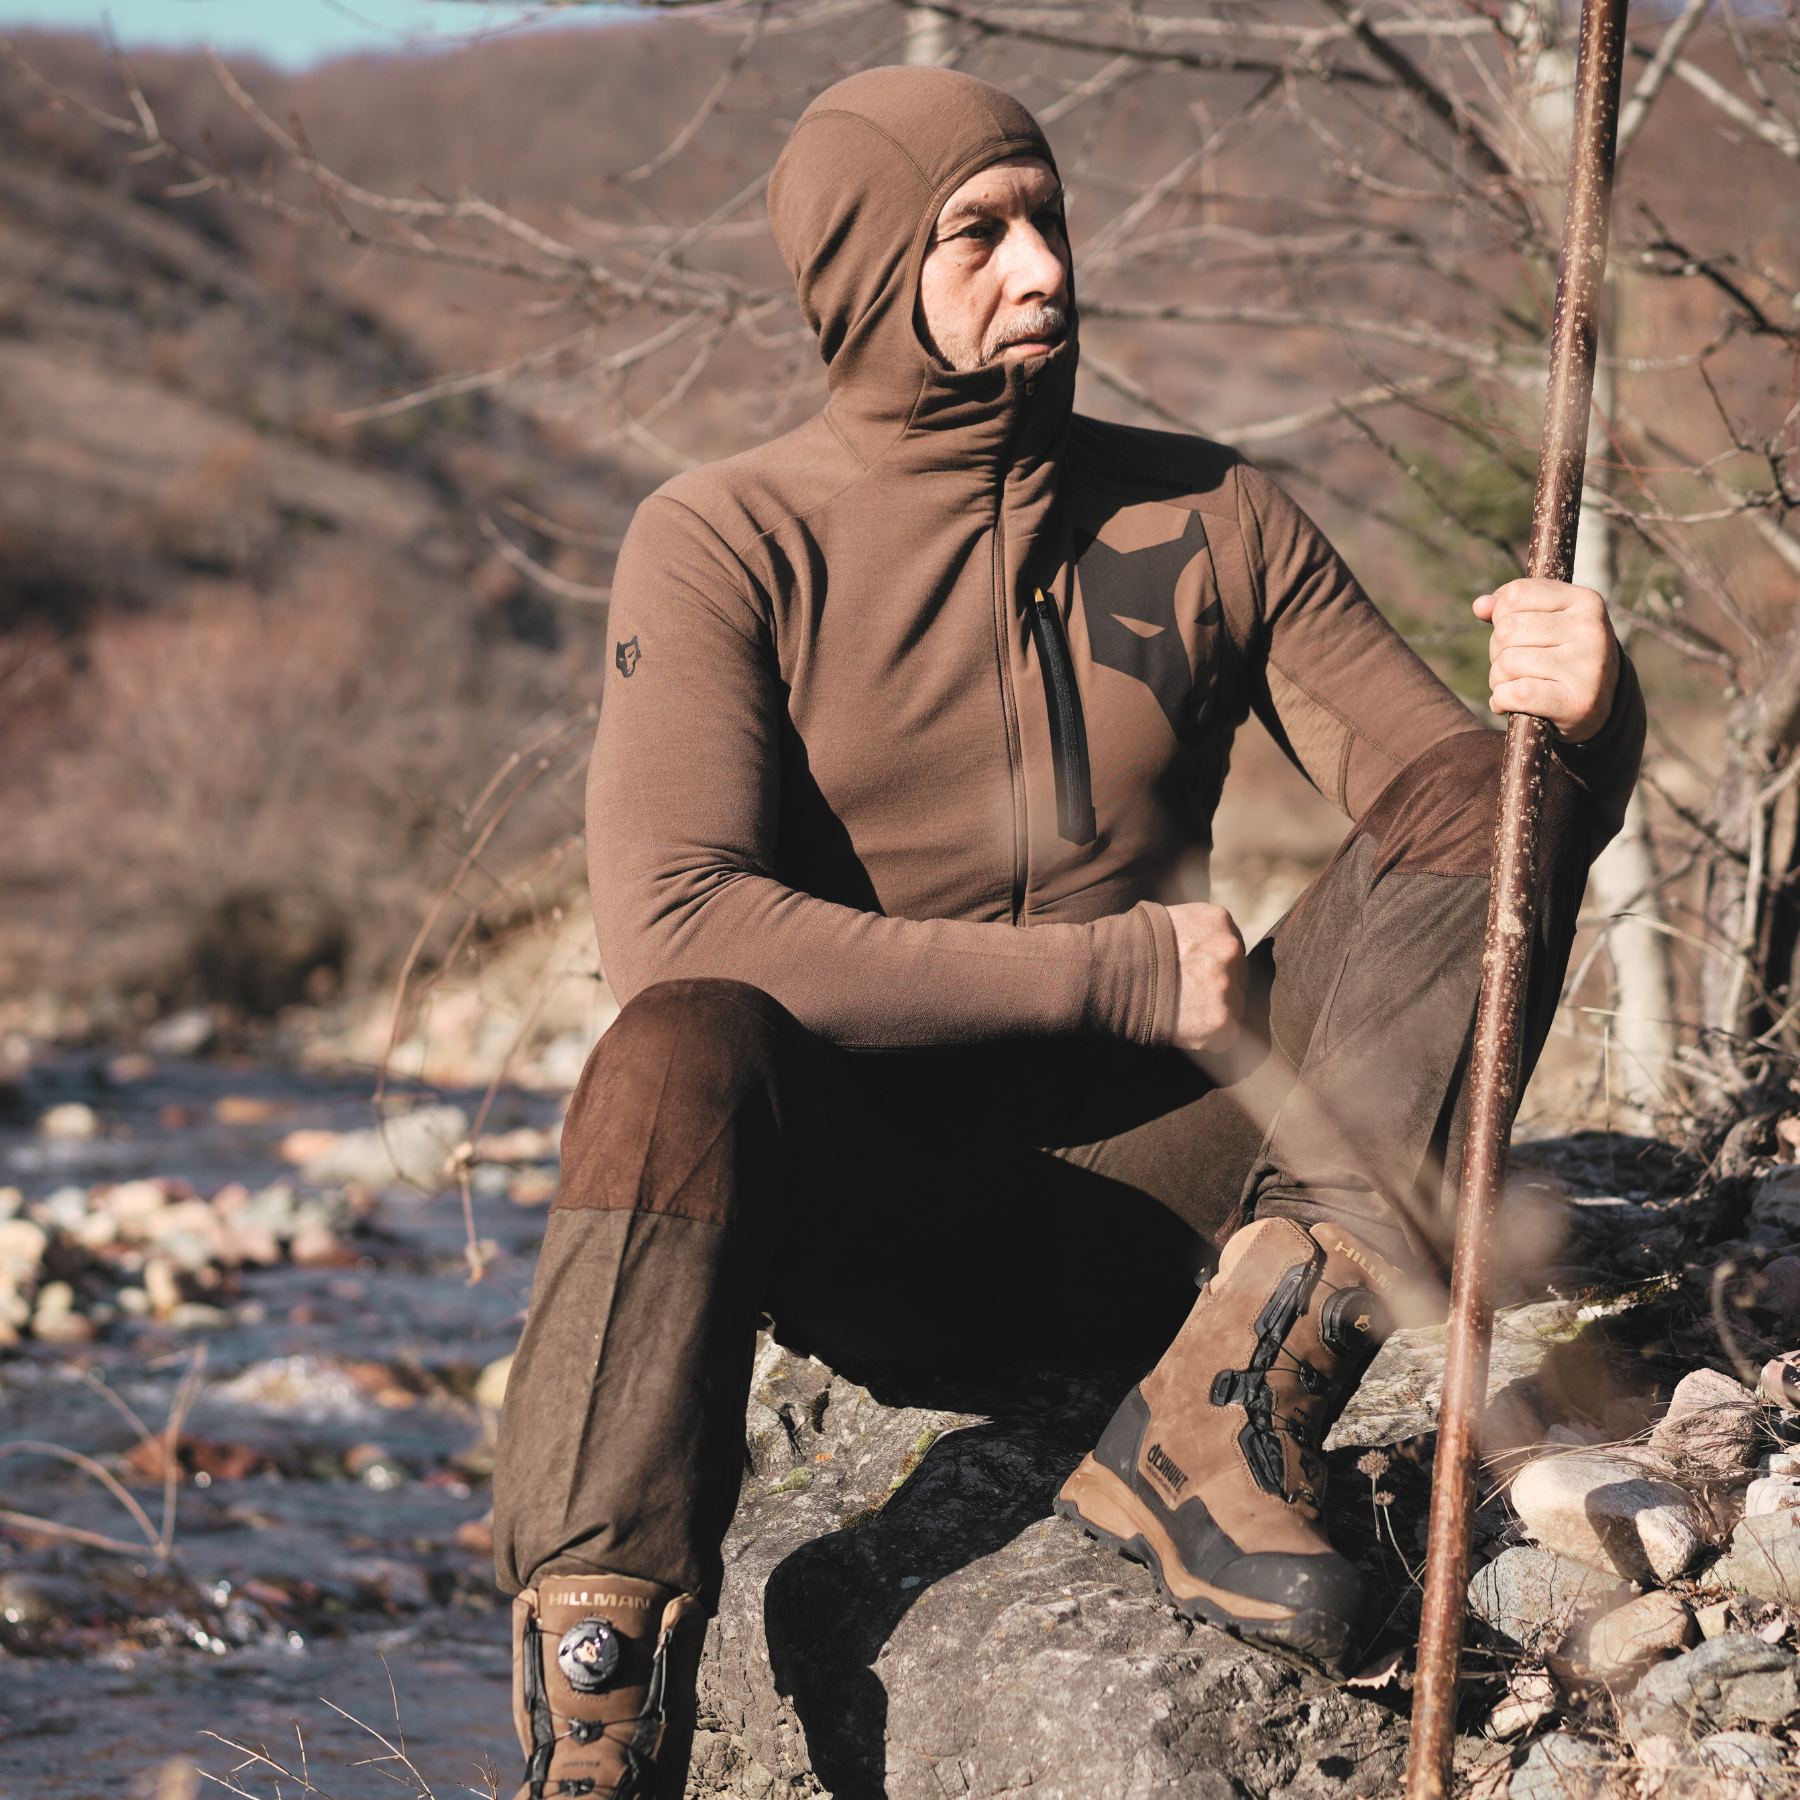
x=255, y=657
x=260, y=652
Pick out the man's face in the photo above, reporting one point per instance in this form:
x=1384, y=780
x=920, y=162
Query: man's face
x=995, y=285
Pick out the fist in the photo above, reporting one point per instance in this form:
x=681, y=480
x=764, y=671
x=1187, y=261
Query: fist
x=1552, y=654
x=1209, y=999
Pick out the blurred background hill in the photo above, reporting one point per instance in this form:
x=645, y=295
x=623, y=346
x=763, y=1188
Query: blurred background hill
x=307, y=506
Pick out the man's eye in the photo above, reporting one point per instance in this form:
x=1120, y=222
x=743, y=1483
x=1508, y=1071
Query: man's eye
x=983, y=233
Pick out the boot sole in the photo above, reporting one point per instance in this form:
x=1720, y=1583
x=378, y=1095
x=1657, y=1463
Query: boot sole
x=1107, y=1510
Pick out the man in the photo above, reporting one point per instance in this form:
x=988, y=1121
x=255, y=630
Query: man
x=916, y=725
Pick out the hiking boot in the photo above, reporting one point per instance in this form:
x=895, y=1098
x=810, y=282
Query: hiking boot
x=1210, y=1471
x=603, y=1687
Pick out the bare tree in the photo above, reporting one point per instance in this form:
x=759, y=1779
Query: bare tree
x=1327, y=233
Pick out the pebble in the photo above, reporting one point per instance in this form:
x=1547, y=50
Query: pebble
x=1771, y=1494
x=1715, y=1620
x=1777, y=1202
x=1728, y=1681
x=1713, y=1424
x=1531, y=1597
x=196, y=1315
x=1780, y=1380
x=161, y=1286
x=71, y=1122
x=1776, y=1288
x=1763, y=1558
x=1606, y=1510
x=1562, y=1766
x=184, y=1033
x=490, y=1384
x=1634, y=1635
x=37, y=1600
x=1728, y=1765
x=412, y=1147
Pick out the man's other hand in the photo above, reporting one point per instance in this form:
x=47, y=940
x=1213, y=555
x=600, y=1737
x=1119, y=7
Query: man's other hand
x=1209, y=1002
x=1552, y=654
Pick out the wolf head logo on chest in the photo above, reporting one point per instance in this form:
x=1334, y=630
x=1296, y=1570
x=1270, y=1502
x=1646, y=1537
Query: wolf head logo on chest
x=1128, y=601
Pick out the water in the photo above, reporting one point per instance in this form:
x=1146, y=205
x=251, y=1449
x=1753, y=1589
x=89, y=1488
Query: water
x=296, y=1584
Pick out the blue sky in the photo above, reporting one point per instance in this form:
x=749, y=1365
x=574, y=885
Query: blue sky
x=293, y=33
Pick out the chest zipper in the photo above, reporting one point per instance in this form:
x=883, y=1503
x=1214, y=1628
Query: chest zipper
x=1068, y=729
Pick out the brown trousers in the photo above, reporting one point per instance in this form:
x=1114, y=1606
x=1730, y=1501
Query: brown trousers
x=954, y=1209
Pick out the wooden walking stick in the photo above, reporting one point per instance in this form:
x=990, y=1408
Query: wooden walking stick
x=1494, y=1072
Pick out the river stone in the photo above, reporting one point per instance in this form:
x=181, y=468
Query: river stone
x=1562, y=1766
x=1728, y=1681
x=1771, y=1494
x=1780, y=1380
x=1531, y=1597
x=1610, y=1511
x=1398, y=1397
x=1634, y=1635
x=409, y=1148
x=1728, y=1765
x=1776, y=1202
x=1713, y=1427
x=1777, y=1288
x=1763, y=1558
x=901, y=1617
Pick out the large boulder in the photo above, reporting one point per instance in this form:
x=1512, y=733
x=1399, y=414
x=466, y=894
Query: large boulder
x=902, y=1617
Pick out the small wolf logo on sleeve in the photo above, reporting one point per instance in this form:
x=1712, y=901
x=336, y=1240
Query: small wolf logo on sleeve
x=626, y=655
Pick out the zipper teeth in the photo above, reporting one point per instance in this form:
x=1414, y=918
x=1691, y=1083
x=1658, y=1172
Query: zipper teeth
x=1008, y=706
x=1076, y=806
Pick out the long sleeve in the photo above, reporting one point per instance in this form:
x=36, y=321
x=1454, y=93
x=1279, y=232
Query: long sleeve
x=683, y=825
x=1349, y=700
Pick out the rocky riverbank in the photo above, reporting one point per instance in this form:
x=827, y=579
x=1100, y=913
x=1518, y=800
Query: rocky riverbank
x=901, y=1615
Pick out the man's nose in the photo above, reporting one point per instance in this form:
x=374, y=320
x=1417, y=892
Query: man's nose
x=1035, y=268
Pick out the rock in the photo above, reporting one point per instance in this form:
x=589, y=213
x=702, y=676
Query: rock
x=1776, y=1202
x=1605, y=1509
x=35, y=1601
x=1634, y=1635
x=1728, y=1681
x=247, y=1109
x=490, y=1384
x=70, y=1123
x=1714, y=1620
x=1713, y=1427
x=1563, y=1766
x=1779, y=1462
x=184, y=1033
x=1776, y=1288
x=1763, y=1558
x=195, y=1315
x=162, y=1285
x=1398, y=1397
x=411, y=1148
x=1530, y=1699
x=55, y=1321
x=1533, y=1597
x=1771, y=1494
x=1780, y=1380
x=1728, y=1765
x=912, y=1611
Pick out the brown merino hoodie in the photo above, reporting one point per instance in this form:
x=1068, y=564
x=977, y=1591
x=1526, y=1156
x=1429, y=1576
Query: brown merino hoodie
x=950, y=660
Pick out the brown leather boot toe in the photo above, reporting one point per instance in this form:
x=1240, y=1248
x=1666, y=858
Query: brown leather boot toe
x=1210, y=1472
x=603, y=1687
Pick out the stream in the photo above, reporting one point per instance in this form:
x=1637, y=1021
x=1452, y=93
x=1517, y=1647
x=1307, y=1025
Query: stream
x=329, y=1599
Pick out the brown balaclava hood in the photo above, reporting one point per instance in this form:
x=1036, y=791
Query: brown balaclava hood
x=853, y=199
